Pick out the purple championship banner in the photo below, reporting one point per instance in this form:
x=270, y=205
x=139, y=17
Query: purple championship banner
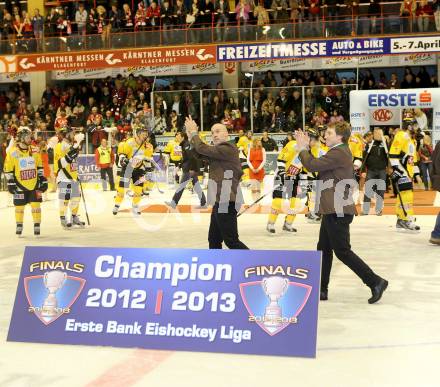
x=229, y=301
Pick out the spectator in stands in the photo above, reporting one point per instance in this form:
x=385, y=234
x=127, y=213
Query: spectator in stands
x=221, y=8
x=153, y=16
x=279, y=8
x=408, y=82
x=104, y=27
x=268, y=143
x=179, y=15
x=374, y=12
x=408, y=13
x=81, y=18
x=194, y=19
x=242, y=11
x=51, y=22
x=38, y=26
x=127, y=18
x=332, y=8
x=216, y=110
x=314, y=16
x=115, y=16
x=166, y=16
x=424, y=13
x=436, y=11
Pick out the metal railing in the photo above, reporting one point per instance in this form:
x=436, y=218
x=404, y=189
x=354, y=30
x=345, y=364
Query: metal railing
x=339, y=21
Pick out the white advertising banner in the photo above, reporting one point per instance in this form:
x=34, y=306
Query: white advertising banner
x=384, y=117
x=149, y=71
x=14, y=77
x=414, y=44
x=424, y=59
x=362, y=101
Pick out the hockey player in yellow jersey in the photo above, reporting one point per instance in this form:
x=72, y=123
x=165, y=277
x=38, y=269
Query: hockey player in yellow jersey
x=318, y=149
x=173, y=150
x=356, y=146
x=402, y=154
x=286, y=186
x=243, y=144
x=134, y=160
x=66, y=170
x=26, y=182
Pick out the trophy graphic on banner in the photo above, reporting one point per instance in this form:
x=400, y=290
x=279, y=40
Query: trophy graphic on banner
x=275, y=288
x=54, y=281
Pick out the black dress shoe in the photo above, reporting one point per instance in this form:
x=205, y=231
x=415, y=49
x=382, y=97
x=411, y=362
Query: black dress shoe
x=323, y=296
x=377, y=291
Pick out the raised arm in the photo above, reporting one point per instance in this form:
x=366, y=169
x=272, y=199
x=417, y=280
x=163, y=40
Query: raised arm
x=218, y=152
x=324, y=163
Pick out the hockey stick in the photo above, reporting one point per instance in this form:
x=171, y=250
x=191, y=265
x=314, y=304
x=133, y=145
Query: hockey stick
x=84, y=201
x=259, y=200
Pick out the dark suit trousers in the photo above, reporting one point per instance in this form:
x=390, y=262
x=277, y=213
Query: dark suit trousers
x=334, y=236
x=223, y=228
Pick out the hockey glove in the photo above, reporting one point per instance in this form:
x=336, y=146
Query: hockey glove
x=72, y=155
x=42, y=184
x=124, y=161
x=397, y=173
x=280, y=176
x=12, y=187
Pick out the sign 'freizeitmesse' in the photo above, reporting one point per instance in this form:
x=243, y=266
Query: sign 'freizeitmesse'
x=231, y=301
x=211, y=54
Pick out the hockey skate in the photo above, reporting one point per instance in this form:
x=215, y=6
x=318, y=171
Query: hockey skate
x=171, y=204
x=65, y=224
x=136, y=211
x=37, y=229
x=288, y=227
x=76, y=221
x=313, y=218
x=407, y=226
x=19, y=229
x=270, y=228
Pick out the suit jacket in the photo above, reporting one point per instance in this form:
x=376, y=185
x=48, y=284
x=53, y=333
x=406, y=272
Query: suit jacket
x=436, y=168
x=335, y=166
x=224, y=165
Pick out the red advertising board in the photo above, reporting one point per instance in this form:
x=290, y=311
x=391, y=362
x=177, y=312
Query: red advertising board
x=163, y=56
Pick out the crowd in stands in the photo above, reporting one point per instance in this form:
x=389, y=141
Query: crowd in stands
x=274, y=106
x=123, y=104
x=91, y=18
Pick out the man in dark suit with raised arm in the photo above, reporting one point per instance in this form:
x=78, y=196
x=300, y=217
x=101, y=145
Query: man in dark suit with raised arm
x=223, y=186
x=334, y=200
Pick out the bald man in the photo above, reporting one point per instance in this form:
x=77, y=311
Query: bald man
x=223, y=187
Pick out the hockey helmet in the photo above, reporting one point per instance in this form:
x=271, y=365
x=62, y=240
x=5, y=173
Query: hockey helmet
x=22, y=133
x=313, y=133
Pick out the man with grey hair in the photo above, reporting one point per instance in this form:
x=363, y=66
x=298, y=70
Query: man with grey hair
x=224, y=178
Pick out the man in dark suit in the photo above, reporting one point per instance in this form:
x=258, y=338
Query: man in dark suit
x=435, y=235
x=223, y=186
x=336, y=205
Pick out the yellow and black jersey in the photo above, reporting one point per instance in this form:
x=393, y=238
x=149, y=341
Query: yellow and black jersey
x=288, y=159
x=403, y=152
x=174, y=150
x=64, y=170
x=134, y=152
x=24, y=166
x=356, y=147
x=243, y=144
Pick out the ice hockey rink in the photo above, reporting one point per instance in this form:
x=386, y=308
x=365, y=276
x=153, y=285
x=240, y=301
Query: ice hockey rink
x=395, y=342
